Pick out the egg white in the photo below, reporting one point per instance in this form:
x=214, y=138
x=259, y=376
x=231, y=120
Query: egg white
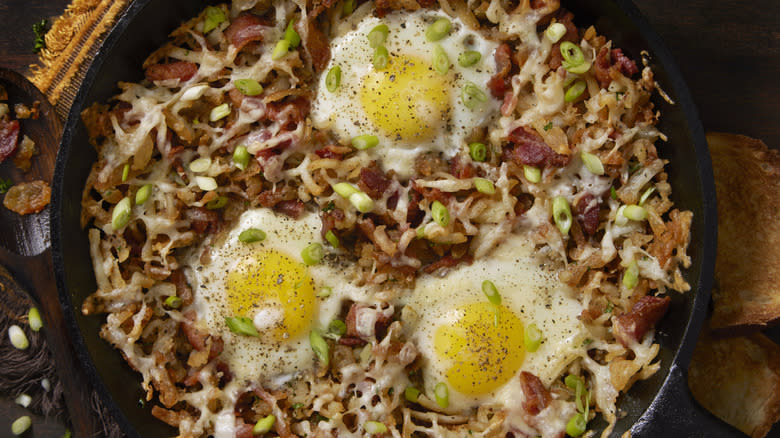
x=262, y=358
x=528, y=287
x=341, y=111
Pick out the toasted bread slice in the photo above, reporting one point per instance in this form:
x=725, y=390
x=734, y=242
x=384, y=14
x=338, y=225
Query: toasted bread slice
x=738, y=379
x=747, y=270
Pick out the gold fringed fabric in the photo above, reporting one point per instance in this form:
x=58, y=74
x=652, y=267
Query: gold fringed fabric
x=71, y=43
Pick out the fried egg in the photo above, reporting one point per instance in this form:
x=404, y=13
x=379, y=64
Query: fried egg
x=475, y=347
x=269, y=283
x=410, y=106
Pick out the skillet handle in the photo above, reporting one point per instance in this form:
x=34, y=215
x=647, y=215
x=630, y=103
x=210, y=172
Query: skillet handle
x=675, y=413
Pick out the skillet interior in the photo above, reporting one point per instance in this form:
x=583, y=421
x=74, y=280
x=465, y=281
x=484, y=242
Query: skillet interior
x=145, y=27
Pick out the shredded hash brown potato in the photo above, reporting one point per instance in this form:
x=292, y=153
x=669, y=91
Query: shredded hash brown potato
x=150, y=134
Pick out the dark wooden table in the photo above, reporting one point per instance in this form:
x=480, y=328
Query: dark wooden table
x=728, y=51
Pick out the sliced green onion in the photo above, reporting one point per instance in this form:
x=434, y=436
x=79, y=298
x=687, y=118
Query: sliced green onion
x=331, y=237
x=555, y=32
x=241, y=157
x=440, y=213
x=646, y=195
x=631, y=275
x=297, y=405
x=573, y=381
x=592, y=163
x=200, y=165
x=573, y=58
x=67, y=434
x=206, y=183
x=378, y=35
x=442, y=394
x=264, y=425
x=125, y=172
x=365, y=353
x=219, y=112
x=217, y=203
x=121, y=214
x=173, y=302
x=348, y=7
x=214, y=17
x=575, y=91
x=484, y=186
x=18, y=338
x=478, y=151
x=469, y=58
x=21, y=424
x=438, y=29
x=23, y=400
x=375, y=427
x=532, y=173
x=412, y=394
x=248, y=87
x=241, y=325
x=635, y=212
x=333, y=79
x=291, y=35
x=380, y=59
x=613, y=193
x=420, y=231
x=280, y=50
x=441, y=62
x=562, y=214
x=34, y=319
x=325, y=292
x=532, y=338
x=619, y=218
x=312, y=254
x=319, y=346
x=142, y=195
x=576, y=425
x=491, y=292
x=362, y=202
x=472, y=96
x=366, y=141
x=337, y=327
x=251, y=235
x=345, y=189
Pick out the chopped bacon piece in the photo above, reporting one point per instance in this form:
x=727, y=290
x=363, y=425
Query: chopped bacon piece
x=631, y=327
x=181, y=70
x=293, y=208
x=290, y=111
x=537, y=397
x=316, y=44
x=627, y=65
x=373, y=181
x=499, y=83
x=245, y=29
x=203, y=220
x=609, y=63
x=9, y=138
x=380, y=325
x=183, y=289
x=530, y=149
x=352, y=341
x=29, y=197
x=587, y=211
x=462, y=169
x=332, y=151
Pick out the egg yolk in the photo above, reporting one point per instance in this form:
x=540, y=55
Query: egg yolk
x=481, y=354
x=408, y=100
x=277, y=286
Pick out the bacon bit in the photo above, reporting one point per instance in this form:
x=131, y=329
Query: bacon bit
x=627, y=65
x=462, y=169
x=530, y=149
x=351, y=341
x=429, y=163
x=181, y=70
x=316, y=45
x=329, y=219
x=432, y=194
x=608, y=64
x=183, y=290
x=333, y=151
x=587, y=214
x=227, y=375
x=245, y=29
x=373, y=181
x=537, y=397
x=295, y=109
x=170, y=417
x=29, y=197
x=293, y=208
x=631, y=327
x=381, y=324
x=244, y=430
x=499, y=82
x=602, y=67
x=203, y=220
x=447, y=262
x=9, y=138
x=281, y=426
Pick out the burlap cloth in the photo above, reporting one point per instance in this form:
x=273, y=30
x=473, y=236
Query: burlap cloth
x=71, y=43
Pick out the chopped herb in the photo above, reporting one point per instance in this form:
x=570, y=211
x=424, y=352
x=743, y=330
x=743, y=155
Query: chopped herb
x=317, y=417
x=618, y=94
x=612, y=193
x=330, y=206
x=5, y=184
x=609, y=308
x=633, y=167
x=40, y=32
x=548, y=126
x=297, y=405
x=587, y=341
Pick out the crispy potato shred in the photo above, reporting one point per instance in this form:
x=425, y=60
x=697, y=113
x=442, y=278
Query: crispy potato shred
x=148, y=134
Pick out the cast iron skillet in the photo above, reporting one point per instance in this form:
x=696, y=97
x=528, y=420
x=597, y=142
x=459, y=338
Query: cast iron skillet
x=660, y=406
